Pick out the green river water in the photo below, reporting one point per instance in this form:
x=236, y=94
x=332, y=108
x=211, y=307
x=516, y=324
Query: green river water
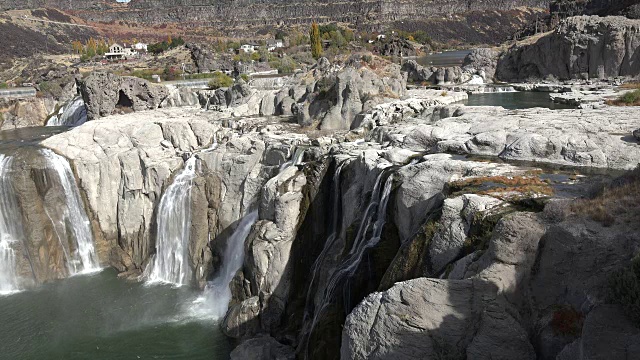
x=100, y=316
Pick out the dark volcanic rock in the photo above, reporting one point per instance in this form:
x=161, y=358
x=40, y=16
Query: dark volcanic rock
x=581, y=47
x=397, y=47
x=103, y=93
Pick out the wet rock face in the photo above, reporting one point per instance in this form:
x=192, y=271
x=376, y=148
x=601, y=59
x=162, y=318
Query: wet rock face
x=106, y=93
x=580, y=47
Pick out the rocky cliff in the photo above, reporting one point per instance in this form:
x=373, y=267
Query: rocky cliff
x=580, y=47
x=568, y=8
x=251, y=15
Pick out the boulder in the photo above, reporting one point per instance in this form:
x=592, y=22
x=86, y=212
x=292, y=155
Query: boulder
x=263, y=348
x=482, y=61
x=429, y=319
x=106, y=93
x=416, y=72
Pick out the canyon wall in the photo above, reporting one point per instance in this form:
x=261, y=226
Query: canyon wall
x=258, y=13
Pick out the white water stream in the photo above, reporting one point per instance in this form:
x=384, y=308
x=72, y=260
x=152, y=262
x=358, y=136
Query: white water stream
x=70, y=220
x=10, y=229
x=170, y=263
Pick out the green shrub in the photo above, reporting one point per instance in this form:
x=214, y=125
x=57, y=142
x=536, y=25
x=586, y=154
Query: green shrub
x=630, y=97
x=220, y=80
x=244, y=77
x=4, y=85
x=625, y=290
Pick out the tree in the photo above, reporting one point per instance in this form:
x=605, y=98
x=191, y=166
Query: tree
x=314, y=38
x=220, y=80
x=77, y=46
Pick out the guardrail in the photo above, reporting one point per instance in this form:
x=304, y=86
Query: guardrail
x=18, y=92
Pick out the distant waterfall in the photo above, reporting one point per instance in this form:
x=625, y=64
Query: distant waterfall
x=10, y=229
x=170, y=263
x=217, y=294
x=70, y=219
x=375, y=214
x=73, y=113
x=296, y=159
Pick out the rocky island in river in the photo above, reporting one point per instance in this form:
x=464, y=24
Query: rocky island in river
x=327, y=189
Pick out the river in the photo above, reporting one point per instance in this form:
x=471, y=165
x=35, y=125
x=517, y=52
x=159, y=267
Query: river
x=100, y=316
x=515, y=100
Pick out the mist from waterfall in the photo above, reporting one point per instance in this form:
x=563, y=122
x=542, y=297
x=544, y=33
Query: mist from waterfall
x=70, y=220
x=11, y=230
x=214, y=303
x=170, y=263
x=73, y=113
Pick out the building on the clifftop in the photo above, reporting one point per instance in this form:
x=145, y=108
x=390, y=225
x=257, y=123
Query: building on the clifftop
x=274, y=44
x=119, y=52
x=140, y=47
x=249, y=47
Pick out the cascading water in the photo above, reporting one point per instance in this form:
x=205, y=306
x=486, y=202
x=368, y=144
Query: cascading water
x=71, y=220
x=217, y=294
x=296, y=159
x=73, y=113
x=377, y=208
x=170, y=263
x=10, y=229
x=333, y=235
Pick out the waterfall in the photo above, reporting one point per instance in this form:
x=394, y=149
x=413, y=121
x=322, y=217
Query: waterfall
x=217, y=293
x=71, y=220
x=296, y=159
x=170, y=263
x=377, y=209
x=10, y=229
x=73, y=113
x=333, y=235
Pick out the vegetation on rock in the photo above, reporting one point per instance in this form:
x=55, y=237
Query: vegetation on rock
x=220, y=80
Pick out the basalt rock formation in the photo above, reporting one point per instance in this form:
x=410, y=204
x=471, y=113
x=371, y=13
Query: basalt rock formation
x=567, y=8
x=479, y=66
x=580, y=47
x=105, y=93
x=464, y=21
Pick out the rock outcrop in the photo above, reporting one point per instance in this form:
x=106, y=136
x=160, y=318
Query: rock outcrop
x=580, y=47
x=106, y=93
x=513, y=135
x=329, y=96
x=18, y=113
x=414, y=320
x=479, y=67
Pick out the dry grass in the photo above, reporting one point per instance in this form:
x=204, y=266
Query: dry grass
x=630, y=86
x=517, y=186
x=616, y=203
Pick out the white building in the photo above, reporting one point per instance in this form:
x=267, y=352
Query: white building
x=119, y=52
x=140, y=46
x=272, y=45
x=249, y=48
